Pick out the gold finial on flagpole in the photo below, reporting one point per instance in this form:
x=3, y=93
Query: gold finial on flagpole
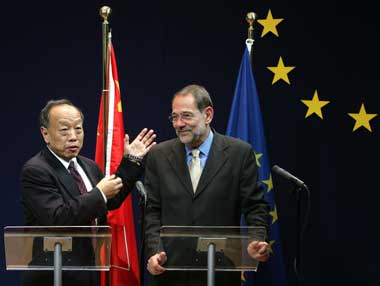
x=250, y=18
x=104, y=12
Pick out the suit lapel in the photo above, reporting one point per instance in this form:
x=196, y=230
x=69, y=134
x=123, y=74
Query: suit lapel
x=217, y=157
x=61, y=172
x=87, y=170
x=177, y=159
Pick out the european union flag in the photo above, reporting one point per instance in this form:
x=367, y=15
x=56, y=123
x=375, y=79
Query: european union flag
x=246, y=123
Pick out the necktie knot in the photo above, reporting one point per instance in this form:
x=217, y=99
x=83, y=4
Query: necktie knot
x=71, y=166
x=195, y=153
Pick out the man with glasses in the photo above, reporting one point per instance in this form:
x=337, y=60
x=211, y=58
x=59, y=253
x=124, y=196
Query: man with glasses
x=201, y=178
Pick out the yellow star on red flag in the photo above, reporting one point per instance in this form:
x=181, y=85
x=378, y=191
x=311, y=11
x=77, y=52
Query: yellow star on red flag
x=362, y=118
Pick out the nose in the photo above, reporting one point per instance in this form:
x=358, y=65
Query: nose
x=73, y=135
x=179, y=123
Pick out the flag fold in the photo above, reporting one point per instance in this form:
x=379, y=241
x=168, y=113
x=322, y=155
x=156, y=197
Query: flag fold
x=124, y=254
x=246, y=123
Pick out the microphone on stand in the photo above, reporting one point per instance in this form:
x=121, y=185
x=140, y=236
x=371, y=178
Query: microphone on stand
x=143, y=200
x=300, y=223
x=141, y=189
x=285, y=174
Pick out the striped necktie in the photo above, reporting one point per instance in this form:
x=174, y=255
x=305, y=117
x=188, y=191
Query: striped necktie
x=78, y=179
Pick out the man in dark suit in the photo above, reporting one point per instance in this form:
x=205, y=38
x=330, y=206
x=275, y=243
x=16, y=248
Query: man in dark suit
x=52, y=194
x=201, y=178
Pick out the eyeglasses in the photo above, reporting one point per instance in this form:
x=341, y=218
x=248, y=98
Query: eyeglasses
x=184, y=116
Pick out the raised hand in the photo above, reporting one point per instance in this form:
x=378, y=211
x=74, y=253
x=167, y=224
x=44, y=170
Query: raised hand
x=141, y=145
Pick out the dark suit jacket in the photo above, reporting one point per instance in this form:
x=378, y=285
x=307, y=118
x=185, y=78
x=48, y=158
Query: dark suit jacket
x=226, y=190
x=51, y=197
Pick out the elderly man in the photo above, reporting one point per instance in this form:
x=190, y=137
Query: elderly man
x=61, y=188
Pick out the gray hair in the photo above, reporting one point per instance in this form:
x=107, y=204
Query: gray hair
x=44, y=114
x=200, y=94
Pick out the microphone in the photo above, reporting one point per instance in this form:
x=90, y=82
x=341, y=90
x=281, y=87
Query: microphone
x=141, y=189
x=285, y=174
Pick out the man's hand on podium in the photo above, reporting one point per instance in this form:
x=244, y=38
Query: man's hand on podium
x=259, y=250
x=155, y=263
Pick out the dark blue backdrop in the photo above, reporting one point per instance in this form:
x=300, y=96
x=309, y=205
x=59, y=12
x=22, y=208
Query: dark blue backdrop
x=53, y=50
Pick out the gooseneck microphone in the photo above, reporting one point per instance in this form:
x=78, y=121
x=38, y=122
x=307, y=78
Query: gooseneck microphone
x=141, y=189
x=301, y=222
x=285, y=174
x=143, y=203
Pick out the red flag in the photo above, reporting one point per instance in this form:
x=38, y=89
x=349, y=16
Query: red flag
x=124, y=255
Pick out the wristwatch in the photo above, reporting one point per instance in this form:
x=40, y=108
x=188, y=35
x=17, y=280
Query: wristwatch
x=134, y=159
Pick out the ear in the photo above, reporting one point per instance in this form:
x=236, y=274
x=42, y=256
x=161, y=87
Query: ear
x=209, y=114
x=45, y=134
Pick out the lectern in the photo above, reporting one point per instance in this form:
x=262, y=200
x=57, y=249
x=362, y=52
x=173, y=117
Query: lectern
x=210, y=248
x=57, y=248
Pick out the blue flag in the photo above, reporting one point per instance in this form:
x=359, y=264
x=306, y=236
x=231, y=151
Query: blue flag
x=246, y=123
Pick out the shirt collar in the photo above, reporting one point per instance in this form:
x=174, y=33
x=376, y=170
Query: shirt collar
x=205, y=147
x=64, y=162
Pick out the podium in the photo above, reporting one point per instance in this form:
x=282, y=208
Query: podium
x=210, y=248
x=57, y=248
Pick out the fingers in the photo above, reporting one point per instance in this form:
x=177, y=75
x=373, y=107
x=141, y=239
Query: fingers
x=155, y=270
x=263, y=257
x=126, y=139
x=259, y=250
x=146, y=137
x=115, y=182
x=262, y=249
x=154, y=263
x=161, y=258
x=150, y=147
x=142, y=134
x=110, y=186
x=141, y=145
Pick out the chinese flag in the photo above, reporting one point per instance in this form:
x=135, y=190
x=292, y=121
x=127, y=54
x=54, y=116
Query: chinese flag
x=124, y=256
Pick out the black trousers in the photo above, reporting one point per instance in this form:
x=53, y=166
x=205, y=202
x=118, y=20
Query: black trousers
x=195, y=278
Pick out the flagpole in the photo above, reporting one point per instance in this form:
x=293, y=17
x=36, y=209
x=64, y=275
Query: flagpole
x=250, y=18
x=105, y=12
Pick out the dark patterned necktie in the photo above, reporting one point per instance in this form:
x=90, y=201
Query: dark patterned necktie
x=82, y=187
x=78, y=179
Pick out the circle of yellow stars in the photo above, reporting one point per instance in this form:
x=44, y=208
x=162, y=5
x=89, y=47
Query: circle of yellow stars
x=314, y=106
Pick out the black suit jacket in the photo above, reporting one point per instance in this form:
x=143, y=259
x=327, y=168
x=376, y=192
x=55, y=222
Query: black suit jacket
x=227, y=189
x=51, y=197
